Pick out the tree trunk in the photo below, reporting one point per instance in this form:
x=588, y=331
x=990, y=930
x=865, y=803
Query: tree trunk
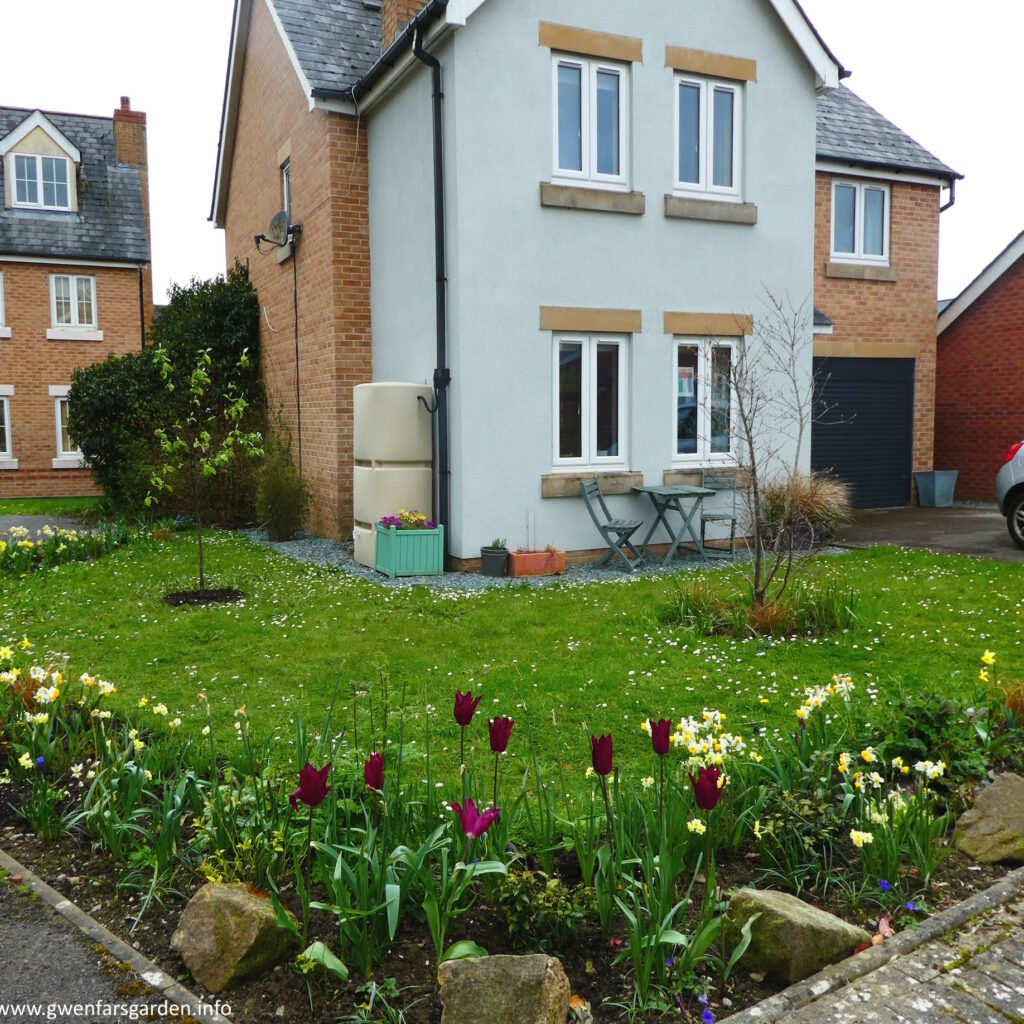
x=199, y=536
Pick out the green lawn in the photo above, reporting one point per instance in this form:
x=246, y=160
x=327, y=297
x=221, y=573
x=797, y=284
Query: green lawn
x=48, y=506
x=600, y=653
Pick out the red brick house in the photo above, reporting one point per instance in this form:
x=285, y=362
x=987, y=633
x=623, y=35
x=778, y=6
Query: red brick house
x=979, y=388
x=878, y=198
x=74, y=278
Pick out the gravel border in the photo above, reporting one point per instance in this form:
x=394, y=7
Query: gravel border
x=334, y=554
x=148, y=971
x=857, y=966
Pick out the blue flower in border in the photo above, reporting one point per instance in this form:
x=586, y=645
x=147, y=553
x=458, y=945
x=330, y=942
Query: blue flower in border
x=884, y=885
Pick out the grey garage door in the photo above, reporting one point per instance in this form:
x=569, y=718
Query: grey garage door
x=864, y=427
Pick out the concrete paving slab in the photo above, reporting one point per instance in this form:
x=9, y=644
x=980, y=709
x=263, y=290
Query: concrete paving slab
x=959, y=530
x=35, y=523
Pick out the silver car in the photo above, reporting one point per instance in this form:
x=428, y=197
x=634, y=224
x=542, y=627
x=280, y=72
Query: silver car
x=1010, y=491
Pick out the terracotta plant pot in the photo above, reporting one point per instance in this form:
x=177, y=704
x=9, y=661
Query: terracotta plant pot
x=536, y=563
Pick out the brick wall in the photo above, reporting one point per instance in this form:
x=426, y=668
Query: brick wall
x=897, y=313
x=979, y=389
x=394, y=15
x=31, y=363
x=327, y=154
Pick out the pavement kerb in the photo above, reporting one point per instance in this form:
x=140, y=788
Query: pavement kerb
x=148, y=971
x=857, y=966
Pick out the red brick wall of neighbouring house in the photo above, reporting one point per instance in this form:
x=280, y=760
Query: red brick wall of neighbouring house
x=884, y=313
x=327, y=154
x=31, y=363
x=979, y=391
x=394, y=15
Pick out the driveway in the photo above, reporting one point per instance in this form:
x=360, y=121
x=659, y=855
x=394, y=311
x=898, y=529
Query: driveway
x=35, y=523
x=956, y=531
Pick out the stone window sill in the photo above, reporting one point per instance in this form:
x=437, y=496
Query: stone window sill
x=567, y=485
x=68, y=462
x=574, y=197
x=8, y=464
x=73, y=334
x=714, y=210
x=5, y=332
x=861, y=272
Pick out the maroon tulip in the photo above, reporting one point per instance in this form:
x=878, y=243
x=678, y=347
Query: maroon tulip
x=706, y=790
x=465, y=707
x=312, y=788
x=500, y=730
x=601, y=754
x=373, y=772
x=474, y=823
x=661, y=735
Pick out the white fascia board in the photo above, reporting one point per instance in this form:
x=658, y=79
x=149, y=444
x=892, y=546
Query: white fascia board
x=458, y=11
x=289, y=49
x=38, y=119
x=335, y=106
x=843, y=170
x=826, y=70
x=229, y=115
x=981, y=284
x=58, y=261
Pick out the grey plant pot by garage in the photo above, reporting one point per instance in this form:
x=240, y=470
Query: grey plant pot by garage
x=935, y=488
x=494, y=561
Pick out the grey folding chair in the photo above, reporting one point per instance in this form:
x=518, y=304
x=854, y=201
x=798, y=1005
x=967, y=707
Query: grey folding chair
x=616, y=532
x=720, y=480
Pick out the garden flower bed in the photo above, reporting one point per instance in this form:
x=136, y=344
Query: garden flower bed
x=852, y=816
x=22, y=552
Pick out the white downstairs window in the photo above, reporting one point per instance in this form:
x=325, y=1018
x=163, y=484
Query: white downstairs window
x=590, y=400
x=705, y=415
x=7, y=460
x=860, y=222
x=591, y=122
x=69, y=456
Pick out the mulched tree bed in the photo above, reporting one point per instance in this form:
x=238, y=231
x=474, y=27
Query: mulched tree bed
x=225, y=595
x=89, y=880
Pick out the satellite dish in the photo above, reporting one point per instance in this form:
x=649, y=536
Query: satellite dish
x=278, y=231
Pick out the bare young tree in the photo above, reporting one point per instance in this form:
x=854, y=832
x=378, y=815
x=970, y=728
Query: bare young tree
x=772, y=383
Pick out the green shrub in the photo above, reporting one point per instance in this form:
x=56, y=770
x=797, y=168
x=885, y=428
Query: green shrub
x=282, y=495
x=807, y=509
x=542, y=911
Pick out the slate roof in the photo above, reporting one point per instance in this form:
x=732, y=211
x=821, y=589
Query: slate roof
x=821, y=320
x=110, y=223
x=335, y=41
x=851, y=131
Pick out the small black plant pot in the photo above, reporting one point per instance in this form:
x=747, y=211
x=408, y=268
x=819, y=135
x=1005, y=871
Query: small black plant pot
x=494, y=561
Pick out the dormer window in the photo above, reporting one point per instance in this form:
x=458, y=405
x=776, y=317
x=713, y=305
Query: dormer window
x=41, y=181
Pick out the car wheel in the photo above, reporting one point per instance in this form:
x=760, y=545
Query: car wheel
x=1015, y=520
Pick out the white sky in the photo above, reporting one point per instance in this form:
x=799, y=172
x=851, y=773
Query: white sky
x=944, y=71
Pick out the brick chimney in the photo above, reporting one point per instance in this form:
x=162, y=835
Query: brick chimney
x=129, y=134
x=394, y=16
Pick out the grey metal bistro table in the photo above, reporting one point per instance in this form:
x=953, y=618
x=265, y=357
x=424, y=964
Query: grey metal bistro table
x=680, y=498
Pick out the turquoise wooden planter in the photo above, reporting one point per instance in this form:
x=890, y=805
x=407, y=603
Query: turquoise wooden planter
x=409, y=552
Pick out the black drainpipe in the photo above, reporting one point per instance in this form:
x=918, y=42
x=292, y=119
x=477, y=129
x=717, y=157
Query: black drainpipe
x=442, y=375
x=142, y=310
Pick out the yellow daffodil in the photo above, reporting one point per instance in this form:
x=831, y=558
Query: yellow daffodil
x=696, y=826
x=869, y=755
x=25, y=761
x=989, y=658
x=861, y=839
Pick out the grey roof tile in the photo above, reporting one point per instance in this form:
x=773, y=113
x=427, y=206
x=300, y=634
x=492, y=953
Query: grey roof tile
x=110, y=223
x=335, y=41
x=851, y=131
x=821, y=320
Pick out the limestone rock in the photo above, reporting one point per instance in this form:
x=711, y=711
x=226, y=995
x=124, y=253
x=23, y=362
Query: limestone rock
x=993, y=829
x=227, y=933
x=504, y=990
x=791, y=940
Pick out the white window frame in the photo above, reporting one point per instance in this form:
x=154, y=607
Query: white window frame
x=65, y=459
x=704, y=456
x=38, y=158
x=7, y=459
x=74, y=331
x=5, y=331
x=286, y=187
x=858, y=255
x=588, y=175
x=704, y=188
x=588, y=407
